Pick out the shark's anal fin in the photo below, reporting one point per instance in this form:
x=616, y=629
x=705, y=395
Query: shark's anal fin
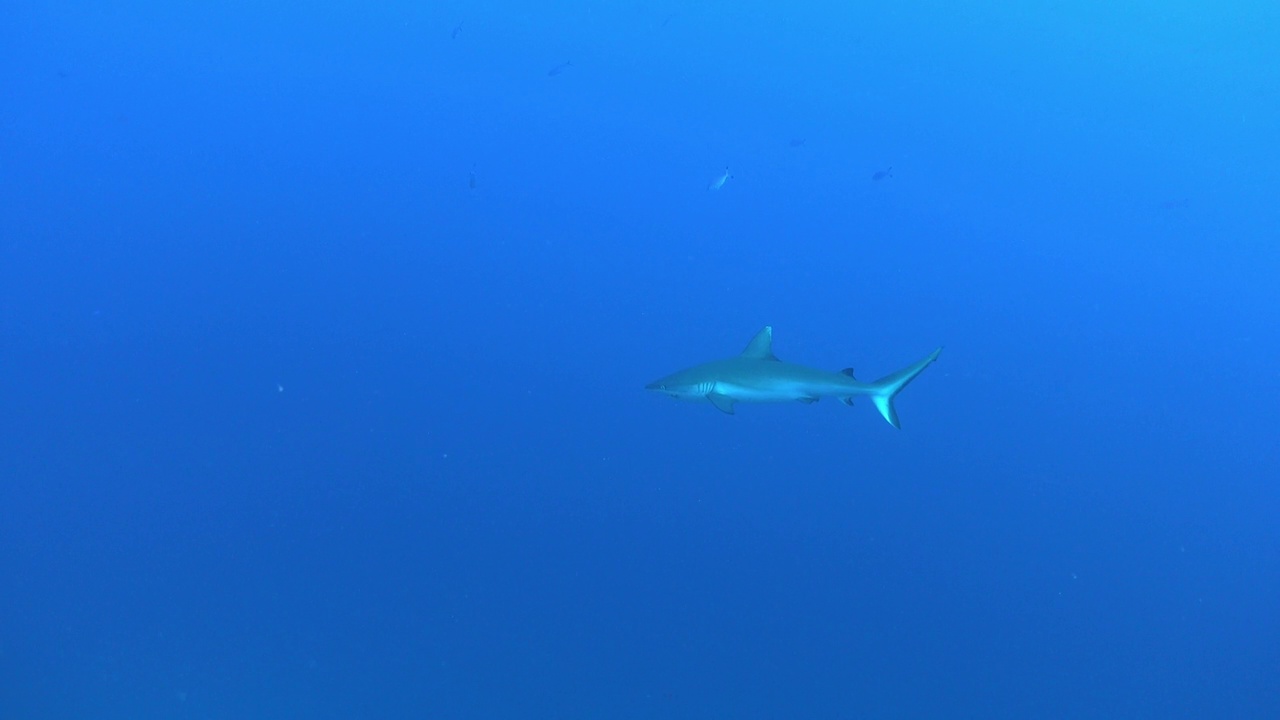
x=848, y=399
x=723, y=403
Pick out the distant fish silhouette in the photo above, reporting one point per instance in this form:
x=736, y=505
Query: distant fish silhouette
x=885, y=174
x=1179, y=204
x=667, y=20
x=456, y=31
x=720, y=180
x=471, y=180
x=558, y=69
x=796, y=142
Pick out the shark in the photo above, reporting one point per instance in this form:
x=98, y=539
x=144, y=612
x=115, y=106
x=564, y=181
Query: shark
x=757, y=375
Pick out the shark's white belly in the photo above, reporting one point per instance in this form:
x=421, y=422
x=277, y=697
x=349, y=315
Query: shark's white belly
x=776, y=392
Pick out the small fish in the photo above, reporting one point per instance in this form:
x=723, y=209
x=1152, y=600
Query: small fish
x=456, y=31
x=885, y=174
x=667, y=20
x=471, y=181
x=720, y=180
x=796, y=142
x=558, y=69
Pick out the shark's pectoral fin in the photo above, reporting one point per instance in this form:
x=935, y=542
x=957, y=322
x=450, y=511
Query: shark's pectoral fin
x=808, y=400
x=723, y=403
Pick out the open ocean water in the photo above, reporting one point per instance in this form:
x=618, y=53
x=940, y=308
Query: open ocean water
x=325, y=328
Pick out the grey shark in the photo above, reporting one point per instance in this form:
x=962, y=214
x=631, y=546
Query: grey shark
x=757, y=375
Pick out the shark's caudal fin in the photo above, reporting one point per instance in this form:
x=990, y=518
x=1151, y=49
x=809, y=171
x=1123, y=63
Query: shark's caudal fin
x=888, y=387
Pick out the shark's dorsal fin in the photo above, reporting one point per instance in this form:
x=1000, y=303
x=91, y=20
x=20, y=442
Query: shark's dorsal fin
x=761, y=346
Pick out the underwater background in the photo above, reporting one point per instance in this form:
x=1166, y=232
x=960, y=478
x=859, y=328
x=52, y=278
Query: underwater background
x=324, y=330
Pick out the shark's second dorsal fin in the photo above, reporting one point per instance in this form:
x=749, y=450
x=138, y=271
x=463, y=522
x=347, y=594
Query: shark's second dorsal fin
x=761, y=346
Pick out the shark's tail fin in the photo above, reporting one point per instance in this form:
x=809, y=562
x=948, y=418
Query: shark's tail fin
x=887, y=388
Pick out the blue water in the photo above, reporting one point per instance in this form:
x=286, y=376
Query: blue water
x=323, y=334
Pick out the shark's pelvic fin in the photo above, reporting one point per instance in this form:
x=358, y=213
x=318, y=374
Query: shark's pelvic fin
x=888, y=387
x=723, y=403
x=761, y=346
